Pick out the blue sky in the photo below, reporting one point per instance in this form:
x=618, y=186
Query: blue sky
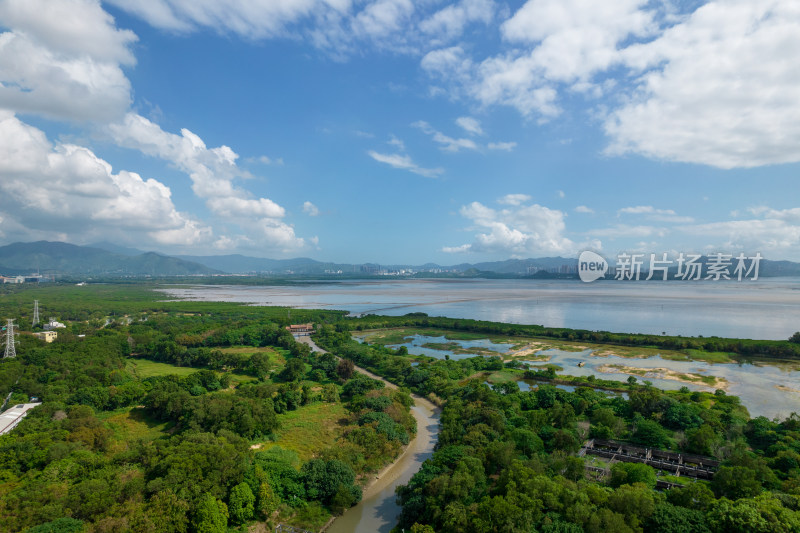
x=402, y=132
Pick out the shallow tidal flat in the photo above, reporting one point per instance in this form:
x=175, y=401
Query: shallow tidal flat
x=766, y=389
x=665, y=373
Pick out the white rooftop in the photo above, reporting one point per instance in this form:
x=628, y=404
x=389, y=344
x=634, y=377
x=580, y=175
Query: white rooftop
x=12, y=416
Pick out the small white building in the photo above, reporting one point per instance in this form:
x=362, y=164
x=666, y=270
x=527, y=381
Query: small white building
x=54, y=324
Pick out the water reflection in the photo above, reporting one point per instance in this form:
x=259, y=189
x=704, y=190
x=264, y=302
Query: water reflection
x=378, y=511
x=766, y=390
x=765, y=309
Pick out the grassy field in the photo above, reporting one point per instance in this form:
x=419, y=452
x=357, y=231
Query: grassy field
x=503, y=376
x=309, y=429
x=250, y=350
x=131, y=424
x=144, y=368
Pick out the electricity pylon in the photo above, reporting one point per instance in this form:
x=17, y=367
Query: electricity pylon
x=11, y=343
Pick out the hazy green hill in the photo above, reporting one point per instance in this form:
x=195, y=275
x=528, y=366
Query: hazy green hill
x=64, y=258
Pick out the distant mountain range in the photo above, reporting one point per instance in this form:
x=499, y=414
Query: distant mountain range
x=108, y=259
x=60, y=258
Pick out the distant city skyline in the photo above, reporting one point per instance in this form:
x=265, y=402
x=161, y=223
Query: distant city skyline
x=402, y=133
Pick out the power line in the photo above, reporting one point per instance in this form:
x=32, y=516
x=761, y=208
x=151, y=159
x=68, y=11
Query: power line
x=11, y=343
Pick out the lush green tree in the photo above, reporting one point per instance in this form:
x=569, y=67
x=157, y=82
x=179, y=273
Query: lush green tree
x=344, y=497
x=682, y=416
x=559, y=526
x=59, y=525
x=267, y=501
x=735, y=482
x=763, y=514
x=527, y=441
x=294, y=370
x=322, y=480
x=650, y=433
x=167, y=512
x=630, y=473
x=360, y=384
x=241, y=503
x=636, y=502
x=667, y=518
x=258, y=365
x=702, y=440
x=211, y=515
x=345, y=369
x=695, y=495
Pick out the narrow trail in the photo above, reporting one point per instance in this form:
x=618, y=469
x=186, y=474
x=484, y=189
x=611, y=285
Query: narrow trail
x=378, y=512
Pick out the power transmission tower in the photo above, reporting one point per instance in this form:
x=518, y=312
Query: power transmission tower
x=11, y=344
x=35, y=313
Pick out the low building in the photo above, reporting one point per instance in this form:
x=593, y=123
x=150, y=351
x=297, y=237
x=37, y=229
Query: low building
x=301, y=330
x=46, y=336
x=54, y=324
x=14, y=415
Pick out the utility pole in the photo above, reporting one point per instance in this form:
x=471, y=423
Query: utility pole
x=11, y=344
x=35, y=313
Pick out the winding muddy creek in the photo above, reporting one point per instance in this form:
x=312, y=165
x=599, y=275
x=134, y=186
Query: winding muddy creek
x=378, y=511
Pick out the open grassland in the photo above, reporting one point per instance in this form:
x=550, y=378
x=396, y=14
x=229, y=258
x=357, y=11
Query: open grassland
x=308, y=429
x=131, y=424
x=503, y=376
x=144, y=368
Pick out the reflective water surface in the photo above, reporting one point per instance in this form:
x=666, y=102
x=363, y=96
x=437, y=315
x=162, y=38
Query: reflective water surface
x=765, y=309
x=378, y=511
x=766, y=390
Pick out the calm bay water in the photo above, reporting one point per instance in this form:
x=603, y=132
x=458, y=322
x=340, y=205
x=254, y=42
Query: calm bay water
x=764, y=309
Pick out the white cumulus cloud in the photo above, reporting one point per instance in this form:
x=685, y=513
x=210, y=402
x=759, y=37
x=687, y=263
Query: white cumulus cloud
x=213, y=171
x=518, y=231
x=719, y=89
x=65, y=189
x=63, y=60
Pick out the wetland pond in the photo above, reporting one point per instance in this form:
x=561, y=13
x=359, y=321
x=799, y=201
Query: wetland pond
x=771, y=390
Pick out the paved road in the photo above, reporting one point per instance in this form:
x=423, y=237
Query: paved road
x=315, y=348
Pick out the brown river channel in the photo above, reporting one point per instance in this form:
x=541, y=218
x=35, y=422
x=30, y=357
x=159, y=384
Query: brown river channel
x=378, y=511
